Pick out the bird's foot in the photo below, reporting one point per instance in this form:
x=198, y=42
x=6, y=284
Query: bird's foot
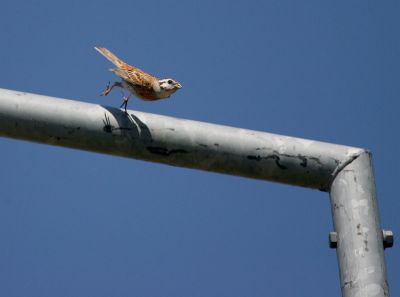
x=107, y=90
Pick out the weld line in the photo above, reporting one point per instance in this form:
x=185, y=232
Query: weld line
x=341, y=166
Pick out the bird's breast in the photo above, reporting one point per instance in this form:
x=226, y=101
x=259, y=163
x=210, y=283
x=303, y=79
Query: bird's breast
x=144, y=93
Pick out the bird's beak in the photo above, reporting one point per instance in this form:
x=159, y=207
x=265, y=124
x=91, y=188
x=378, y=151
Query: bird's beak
x=178, y=85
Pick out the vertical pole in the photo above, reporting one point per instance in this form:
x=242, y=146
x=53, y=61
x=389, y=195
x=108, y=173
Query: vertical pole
x=359, y=235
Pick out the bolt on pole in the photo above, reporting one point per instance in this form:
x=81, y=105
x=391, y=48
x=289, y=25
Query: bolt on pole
x=346, y=172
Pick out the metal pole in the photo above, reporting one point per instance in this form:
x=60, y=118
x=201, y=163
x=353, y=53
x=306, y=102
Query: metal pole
x=344, y=171
x=172, y=141
x=359, y=235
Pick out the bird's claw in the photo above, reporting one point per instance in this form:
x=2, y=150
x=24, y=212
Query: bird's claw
x=107, y=90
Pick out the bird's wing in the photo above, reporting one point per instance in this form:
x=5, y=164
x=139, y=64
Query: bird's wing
x=135, y=76
x=128, y=72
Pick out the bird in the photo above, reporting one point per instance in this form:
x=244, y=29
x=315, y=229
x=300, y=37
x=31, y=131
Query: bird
x=139, y=83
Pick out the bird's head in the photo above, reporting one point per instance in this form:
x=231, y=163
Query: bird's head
x=168, y=86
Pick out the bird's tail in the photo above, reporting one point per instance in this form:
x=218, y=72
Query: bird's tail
x=110, y=56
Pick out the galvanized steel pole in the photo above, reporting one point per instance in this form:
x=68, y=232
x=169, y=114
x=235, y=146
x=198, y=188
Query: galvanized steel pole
x=223, y=149
x=359, y=235
x=172, y=141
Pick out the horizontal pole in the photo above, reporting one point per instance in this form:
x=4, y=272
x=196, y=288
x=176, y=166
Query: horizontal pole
x=172, y=141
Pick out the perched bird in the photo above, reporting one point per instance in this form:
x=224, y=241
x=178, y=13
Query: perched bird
x=139, y=83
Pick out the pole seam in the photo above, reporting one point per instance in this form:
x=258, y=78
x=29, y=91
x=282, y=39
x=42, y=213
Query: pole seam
x=344, y=163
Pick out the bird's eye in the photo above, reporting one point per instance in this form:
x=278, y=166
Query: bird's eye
x=170, y=82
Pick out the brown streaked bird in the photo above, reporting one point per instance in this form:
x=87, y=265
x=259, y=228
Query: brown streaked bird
x=139, y=83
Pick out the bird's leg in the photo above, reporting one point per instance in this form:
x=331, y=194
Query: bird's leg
x=125, y=102
x=109, y=88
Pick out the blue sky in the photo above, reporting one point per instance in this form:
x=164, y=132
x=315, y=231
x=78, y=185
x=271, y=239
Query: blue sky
x=75, y=223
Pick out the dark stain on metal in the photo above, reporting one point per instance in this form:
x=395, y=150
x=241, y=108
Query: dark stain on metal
x=303, y=160
x=256, y=158
x=216, y=144
x=171, y=129
x=203, y=145
x=277, y=162
x=337, y=207
x=163, y=151
x=273, y=157
x=359, y=232
x=366, y=245
x=348, y=284
x=317, y=160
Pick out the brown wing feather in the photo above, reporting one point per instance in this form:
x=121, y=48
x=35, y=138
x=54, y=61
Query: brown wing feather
x=128, y=72
x=134, y=76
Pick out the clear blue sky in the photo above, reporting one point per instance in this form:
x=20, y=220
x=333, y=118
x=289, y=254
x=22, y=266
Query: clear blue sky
x=74, y=223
